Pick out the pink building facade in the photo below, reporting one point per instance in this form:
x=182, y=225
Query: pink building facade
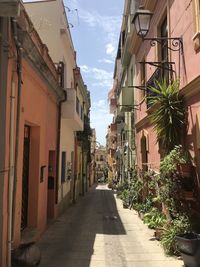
x=30, y=122
x=174, y=19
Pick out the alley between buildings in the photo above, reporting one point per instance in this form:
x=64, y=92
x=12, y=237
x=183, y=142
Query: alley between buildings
x=98, y=232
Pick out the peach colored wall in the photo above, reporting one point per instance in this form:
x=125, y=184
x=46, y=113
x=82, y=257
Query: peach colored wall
x=38, y=110
x=11, y=74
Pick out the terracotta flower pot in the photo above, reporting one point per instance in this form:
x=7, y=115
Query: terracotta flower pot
x=158, y=233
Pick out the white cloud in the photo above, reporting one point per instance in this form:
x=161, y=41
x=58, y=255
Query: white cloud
x=84, y=68
x=105, y=60
x=109, y=24
x=101, y=77
x=110, y=50
x=101, y=105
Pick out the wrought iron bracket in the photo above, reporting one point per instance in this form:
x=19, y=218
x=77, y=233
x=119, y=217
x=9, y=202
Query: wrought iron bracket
x=160, y=65
x=140, y=87
x=172, y=43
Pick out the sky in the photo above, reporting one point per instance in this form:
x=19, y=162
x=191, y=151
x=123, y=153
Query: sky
x=95, y=34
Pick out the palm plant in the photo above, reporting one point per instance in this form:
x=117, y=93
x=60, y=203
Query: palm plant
x=169, y=116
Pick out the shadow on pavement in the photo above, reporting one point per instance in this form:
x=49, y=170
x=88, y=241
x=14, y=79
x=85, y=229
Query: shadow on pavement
x=81, y=234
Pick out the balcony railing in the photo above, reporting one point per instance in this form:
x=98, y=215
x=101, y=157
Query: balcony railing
x=164, y=72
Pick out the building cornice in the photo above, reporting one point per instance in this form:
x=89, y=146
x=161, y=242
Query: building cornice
x=32, y=55
x=141, y=123
x=191, y=89
x=188, y=91
x=36, y=53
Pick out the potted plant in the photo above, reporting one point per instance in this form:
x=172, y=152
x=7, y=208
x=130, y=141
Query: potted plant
x=180, y=225
x=189, y=246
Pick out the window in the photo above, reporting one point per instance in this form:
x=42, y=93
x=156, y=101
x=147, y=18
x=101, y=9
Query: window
x=196, y=21
x=101, y=158
x=144, y=153
x=164, y=33
x=81, y=113
x=61, y=73
x=77, y=105
x=63, y=167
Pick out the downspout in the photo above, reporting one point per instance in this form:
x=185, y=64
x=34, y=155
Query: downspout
x=58, y=142
x=4, y=49
x=75, y=168
x=82, y=147
x=11, y=169
x=13, y=181
x=83, y=177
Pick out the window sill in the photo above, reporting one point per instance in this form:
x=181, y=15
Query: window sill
x=196, y=41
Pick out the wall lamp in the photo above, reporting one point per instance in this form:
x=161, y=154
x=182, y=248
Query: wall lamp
x=142, y=19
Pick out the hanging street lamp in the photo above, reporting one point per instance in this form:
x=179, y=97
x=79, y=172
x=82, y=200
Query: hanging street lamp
x=141, y=20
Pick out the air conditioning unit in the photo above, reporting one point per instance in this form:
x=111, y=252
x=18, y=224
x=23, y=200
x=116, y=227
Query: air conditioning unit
x=9, y=8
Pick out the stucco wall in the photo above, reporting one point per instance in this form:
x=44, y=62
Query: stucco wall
x=39, y=111
x=180, y=24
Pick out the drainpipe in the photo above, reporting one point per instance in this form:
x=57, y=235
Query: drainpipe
x=14, y=152
x=82, y=159
x=4, y=49
x=58, y=142
x=75, y=169
x=11, y=169
x=83, y=156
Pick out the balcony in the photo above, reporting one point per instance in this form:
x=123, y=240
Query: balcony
x=126, y=99
x=113, y=105
x=69, y=111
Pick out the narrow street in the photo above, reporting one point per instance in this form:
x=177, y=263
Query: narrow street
x=98, y=232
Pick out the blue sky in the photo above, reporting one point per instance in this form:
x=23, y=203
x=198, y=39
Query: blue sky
x=95, y=35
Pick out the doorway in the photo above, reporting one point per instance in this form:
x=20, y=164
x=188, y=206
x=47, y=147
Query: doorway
x=25, y=178
x=144, y=153
x=51, y=185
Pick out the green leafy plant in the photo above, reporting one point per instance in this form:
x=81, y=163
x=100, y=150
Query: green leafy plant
x=135, y=188
x=180, y=225
x=125, y=196
x=169, y=116
x=154, y=218
x=121, y=187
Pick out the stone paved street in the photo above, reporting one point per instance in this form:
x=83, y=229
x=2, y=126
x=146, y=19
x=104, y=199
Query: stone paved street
x=98, y=232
